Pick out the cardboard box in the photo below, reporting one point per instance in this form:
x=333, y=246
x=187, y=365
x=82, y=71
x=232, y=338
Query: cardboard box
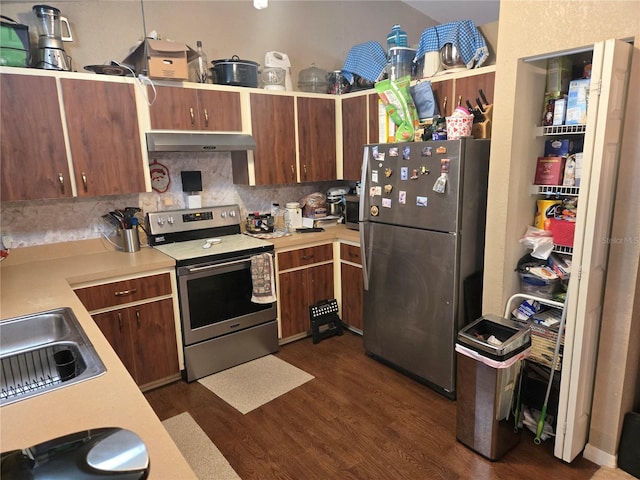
x=559, y=111
x=549, y=170
x=577, y=102
x=559, y=147
x=164, y=60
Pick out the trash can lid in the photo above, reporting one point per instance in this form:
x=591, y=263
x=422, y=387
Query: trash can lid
x=495, y=337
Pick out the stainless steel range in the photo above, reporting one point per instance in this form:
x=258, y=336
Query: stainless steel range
x=221, y=326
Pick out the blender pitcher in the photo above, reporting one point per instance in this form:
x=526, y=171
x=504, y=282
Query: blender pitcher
x=51, y=54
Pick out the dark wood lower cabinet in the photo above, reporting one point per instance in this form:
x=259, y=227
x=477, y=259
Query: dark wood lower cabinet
x=298, y=290
x=352, y=291
x=144, y=338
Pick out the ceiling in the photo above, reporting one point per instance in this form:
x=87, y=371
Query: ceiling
x=445, y=11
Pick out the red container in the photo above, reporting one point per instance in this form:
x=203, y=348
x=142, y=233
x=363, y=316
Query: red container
x=549, y=170
x=563, y=232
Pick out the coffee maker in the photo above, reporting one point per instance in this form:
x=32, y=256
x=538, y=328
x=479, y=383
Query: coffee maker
x=51, y=54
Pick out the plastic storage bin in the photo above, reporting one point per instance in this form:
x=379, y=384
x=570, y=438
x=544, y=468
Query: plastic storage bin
x=487, y=379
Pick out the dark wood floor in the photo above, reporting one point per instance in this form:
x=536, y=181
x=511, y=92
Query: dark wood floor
x=358, y=419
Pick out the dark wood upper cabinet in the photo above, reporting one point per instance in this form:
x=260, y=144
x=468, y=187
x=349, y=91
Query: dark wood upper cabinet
x=104, y=137
x=273, y=129
x=317, y=138
x=33, y=155
x=354, y=135
x=468, y=87
x=177, y=108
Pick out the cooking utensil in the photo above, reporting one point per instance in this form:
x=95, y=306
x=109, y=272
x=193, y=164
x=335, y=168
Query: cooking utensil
x=313, y=79
x=480, y=105
x=450, y=57
x=482, y=96
x=234, y=71
x=108, y=70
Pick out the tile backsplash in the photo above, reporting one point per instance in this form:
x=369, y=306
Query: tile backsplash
x=42, y=222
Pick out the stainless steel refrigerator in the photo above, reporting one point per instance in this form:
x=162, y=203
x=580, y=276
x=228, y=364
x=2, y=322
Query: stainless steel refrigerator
x=422, y=225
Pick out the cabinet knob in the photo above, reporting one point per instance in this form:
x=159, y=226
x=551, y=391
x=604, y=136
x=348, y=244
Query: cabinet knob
x=193, y=118
x=120, y=320
x=206, y=118
x=138, y=317
x=84, y=182
x=61, y=180
x=293, y=173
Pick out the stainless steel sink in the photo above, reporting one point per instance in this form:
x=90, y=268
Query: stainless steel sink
x=32, y=348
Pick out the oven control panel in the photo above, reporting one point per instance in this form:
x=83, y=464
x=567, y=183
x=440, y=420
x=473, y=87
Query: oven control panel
x=174, y=221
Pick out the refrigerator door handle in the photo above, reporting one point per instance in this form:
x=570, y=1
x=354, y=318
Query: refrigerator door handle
x=364, y=190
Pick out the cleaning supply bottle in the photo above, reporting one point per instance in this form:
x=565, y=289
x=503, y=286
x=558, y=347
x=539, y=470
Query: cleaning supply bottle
x=396, y=38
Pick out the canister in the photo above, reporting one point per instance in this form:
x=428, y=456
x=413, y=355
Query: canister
x=293, y=215
x=546, y=211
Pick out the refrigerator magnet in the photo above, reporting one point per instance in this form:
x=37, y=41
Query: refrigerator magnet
x=406, y=153
x=426, y=151
x=375, y=152
x=402, y=197
x=421, y=201
x=404, y=173
x=372, y=191
x=386, y=202
x=393, y=152
x=414, y=174
x=388, y=172
x=441, y=150
x=424, y=170
x=374, y=176
x=378, y=190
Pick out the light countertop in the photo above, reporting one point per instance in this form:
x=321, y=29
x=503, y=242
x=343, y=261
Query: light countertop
x=35, y=279
x=110, y=400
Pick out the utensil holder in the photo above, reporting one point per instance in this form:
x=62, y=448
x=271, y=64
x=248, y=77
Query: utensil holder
x=130, y=239
x=65, y=364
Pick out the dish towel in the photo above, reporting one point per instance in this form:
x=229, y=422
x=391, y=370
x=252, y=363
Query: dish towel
x=462, y=34
x=262, y=276
x=365, y=59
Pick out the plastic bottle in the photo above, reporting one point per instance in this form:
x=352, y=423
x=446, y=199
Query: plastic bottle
x=201, y=65
x=397, y=38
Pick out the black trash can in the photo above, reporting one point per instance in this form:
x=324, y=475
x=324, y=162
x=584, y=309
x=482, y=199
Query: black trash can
x=489, y=354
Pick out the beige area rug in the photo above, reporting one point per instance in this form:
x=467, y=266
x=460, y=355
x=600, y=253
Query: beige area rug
x=252, y=384
x=201, y=454
x=606, y=473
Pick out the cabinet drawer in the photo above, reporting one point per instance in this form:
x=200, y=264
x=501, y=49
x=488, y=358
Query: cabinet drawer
x=350, y=253
x=305, y=256
x=125, y=291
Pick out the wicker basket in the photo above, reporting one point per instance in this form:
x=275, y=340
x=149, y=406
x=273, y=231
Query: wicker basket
x=543, y=344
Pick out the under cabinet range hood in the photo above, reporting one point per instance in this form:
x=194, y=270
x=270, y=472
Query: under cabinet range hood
x=199, y=142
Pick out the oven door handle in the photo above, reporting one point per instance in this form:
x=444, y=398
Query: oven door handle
x=217, y=265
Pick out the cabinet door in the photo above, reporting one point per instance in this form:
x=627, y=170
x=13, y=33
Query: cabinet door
x=273, y=128
x=444, y=91
x=102, y=122
x=156, y=352
x=115, y=327
x=317, y=139
x=374, y=119
x=219, y=111
x=294, y=309
x=124, y=291
x=352, y=291
x=33, y=155
x=354, y=135
x=320, y=284
x=469, y=87
x=174, y=108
